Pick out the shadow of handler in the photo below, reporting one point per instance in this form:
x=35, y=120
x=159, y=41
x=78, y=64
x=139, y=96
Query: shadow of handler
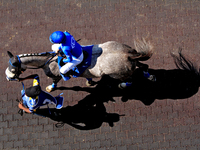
x=82, y=117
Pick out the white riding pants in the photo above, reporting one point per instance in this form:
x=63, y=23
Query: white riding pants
x=68, y=66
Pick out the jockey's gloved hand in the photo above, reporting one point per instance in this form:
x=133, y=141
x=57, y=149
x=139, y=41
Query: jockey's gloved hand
x=66, y=60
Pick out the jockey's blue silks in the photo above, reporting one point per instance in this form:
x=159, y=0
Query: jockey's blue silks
x=79, y=69
x=70, y=47
x=89, y=79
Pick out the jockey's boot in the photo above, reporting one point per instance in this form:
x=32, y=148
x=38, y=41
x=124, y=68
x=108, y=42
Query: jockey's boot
x=67, y=74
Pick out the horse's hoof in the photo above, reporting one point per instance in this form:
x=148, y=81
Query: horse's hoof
x=152, y=78
x=90, y=83
x=49, y=88
x=122, y=85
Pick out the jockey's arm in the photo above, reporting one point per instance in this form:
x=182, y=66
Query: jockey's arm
x=66, y=50
x=21, y=106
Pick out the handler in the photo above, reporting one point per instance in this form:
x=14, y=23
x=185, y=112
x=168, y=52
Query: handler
x=33, y=97
x=65, y=42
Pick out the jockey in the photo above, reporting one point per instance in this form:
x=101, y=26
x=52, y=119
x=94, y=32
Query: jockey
x=33, y=97
x=65, y=42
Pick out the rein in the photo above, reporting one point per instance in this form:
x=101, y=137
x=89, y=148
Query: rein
x=44, y=63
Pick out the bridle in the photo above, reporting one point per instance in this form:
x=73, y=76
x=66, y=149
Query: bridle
x=16, y=66
x=54, y=54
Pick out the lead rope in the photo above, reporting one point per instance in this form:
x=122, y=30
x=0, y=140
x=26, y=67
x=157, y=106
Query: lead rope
x=20, y=110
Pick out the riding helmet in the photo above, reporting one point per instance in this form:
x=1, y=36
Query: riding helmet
x=57, y=37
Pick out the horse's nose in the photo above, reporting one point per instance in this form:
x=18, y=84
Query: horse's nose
x=12, y=70
x=9, y=74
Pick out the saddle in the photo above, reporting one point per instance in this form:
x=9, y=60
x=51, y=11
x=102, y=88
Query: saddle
x=79, y=69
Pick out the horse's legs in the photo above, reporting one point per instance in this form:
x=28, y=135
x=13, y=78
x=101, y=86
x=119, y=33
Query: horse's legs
x=55, y=81
x=124, y=85
x=145, y=68
x=90, y=82
x=89, y=79
x=54, y=84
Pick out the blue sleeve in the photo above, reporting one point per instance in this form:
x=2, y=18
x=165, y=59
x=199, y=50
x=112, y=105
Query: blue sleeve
x=66, y=50
x=60, y=47
x=31, y=110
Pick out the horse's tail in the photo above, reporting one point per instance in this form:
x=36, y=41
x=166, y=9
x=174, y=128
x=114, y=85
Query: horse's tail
x=144, y=50
x=183, y=63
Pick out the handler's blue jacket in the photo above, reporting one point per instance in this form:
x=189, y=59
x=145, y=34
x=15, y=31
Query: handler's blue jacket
x=42, y=99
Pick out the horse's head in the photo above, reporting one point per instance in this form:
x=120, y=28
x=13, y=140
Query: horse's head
x=14, y=67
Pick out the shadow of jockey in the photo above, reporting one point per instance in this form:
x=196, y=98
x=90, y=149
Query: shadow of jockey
x=70, y=49
x=33, y=97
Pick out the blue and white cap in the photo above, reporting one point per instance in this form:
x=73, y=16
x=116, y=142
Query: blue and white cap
x=57, y=37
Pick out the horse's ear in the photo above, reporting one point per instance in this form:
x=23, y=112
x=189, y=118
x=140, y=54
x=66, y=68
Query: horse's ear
x=10, y=54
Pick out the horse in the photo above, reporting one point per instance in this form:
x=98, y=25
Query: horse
x=110, y=58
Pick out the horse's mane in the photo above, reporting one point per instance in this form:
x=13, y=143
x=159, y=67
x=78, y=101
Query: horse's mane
x=36, y=54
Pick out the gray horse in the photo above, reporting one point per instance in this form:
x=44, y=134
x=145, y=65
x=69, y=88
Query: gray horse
x=110, y=58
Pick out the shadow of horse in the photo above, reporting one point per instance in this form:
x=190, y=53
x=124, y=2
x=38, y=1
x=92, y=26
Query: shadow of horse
x=90, y=113
x=173, y=84
x=82, y=117
x=170, y=84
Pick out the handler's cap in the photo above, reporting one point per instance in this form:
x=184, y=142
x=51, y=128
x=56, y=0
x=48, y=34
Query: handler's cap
x=33, y=91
